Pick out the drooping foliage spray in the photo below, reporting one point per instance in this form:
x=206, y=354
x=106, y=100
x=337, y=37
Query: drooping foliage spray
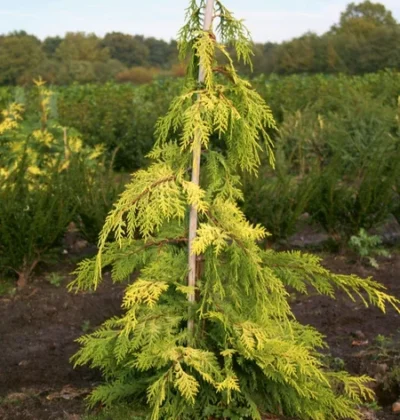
x=206, y=329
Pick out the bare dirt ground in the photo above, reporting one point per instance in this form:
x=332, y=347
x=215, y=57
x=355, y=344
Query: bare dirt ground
x=361, y=340
x=39, y=325
x=37, y=331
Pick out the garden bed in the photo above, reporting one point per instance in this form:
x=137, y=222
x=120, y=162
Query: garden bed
x=39, y=325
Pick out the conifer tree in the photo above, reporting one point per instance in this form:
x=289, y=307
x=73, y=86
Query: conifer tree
x=242, y=353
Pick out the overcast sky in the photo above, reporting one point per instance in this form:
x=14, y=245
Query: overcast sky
x=268, y=20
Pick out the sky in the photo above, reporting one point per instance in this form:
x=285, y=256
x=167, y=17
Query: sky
x=268, y=20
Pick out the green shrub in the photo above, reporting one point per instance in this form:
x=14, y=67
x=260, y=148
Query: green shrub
x=32, y=221
x=39, y=164
x=277, y=199
x=355, y=186
x=347, y=156
x=95, y=191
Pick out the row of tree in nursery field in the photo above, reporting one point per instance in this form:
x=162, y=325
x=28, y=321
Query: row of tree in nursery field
x=337, y=151
x=122, y=117
x=366, y=39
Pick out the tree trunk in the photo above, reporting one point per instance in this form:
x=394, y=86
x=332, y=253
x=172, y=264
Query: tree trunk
x=207, y=25
x=25, y=273
x=22, y=281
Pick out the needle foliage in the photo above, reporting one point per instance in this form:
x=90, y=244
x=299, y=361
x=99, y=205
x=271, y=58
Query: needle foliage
x=44, y=167
x=247, y=355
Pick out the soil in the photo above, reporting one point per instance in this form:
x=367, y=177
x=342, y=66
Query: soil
x=38, y=327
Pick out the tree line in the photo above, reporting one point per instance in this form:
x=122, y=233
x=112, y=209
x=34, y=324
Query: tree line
x=366, y=39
